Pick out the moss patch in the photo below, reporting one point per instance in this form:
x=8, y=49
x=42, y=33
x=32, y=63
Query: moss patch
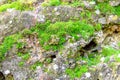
x=16, y=5
x=7, y=44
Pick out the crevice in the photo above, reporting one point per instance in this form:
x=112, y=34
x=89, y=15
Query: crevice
x=88, y=48
x=2, y=77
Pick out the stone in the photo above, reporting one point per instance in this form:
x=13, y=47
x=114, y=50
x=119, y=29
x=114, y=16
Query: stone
x=114, y=2
x=102, y=20
x=97, y=11
x=112, y=19
x=89, y=5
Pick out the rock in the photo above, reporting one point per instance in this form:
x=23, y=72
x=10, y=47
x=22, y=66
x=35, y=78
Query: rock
x=58, y=13
x=118, y=69
x=15, y=21
x=112, y=19
x=114, y=3
x=97, y=11
x=89, y=5
x=102, y=20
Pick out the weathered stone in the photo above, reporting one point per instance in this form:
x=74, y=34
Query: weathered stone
x=115, y=2
x=102, y=20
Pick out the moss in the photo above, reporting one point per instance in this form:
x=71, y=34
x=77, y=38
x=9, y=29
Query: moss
x=7, y=44
x=34, y=66
x=24, y=56
x=16, y=5
x=78, y=71
x=117, y=10
x=21, y=63
x=61, y=29
x=108, y=51
x=54, y=2
x=105, y=8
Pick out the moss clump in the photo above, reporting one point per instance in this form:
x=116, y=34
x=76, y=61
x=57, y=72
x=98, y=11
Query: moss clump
x=34, y=66
x=108, y=51
x=78, y=71
x=7, y=44
x=61, y=29
x=54, y=2
x=106, y=8
x=16, y=5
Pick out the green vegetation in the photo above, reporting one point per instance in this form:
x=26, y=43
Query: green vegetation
x=108, y=51
x=16, y=5
x=34, y=66
x=106, y=8
x=54, y=2
x=21, y=63
x=24, y=56
x=60, y=30
x=7, y=44
x=77, y=71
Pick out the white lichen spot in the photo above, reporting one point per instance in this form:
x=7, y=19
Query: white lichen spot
x=10, y=22
x=87, y=74
x=7, y=72
x=102, y=59
x=118, y=55
x=97, y=11
x=101, y=74
x=55, y=67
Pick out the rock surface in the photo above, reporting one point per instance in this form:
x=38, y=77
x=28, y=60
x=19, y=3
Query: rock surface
x=56, y=62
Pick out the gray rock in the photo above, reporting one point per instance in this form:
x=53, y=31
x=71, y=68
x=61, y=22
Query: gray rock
x=89, y=5
x=102, y=20
x=115, y=2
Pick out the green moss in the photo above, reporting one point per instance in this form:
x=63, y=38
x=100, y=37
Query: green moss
x=7, y=44
x=51, y=3
x=78, y=71
x=61, y=29
x=108, y=51
x=16, y=5
x=117, y=10
x=34, y=66
x=21, y=63
x=105, y=8
x=54, y=2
